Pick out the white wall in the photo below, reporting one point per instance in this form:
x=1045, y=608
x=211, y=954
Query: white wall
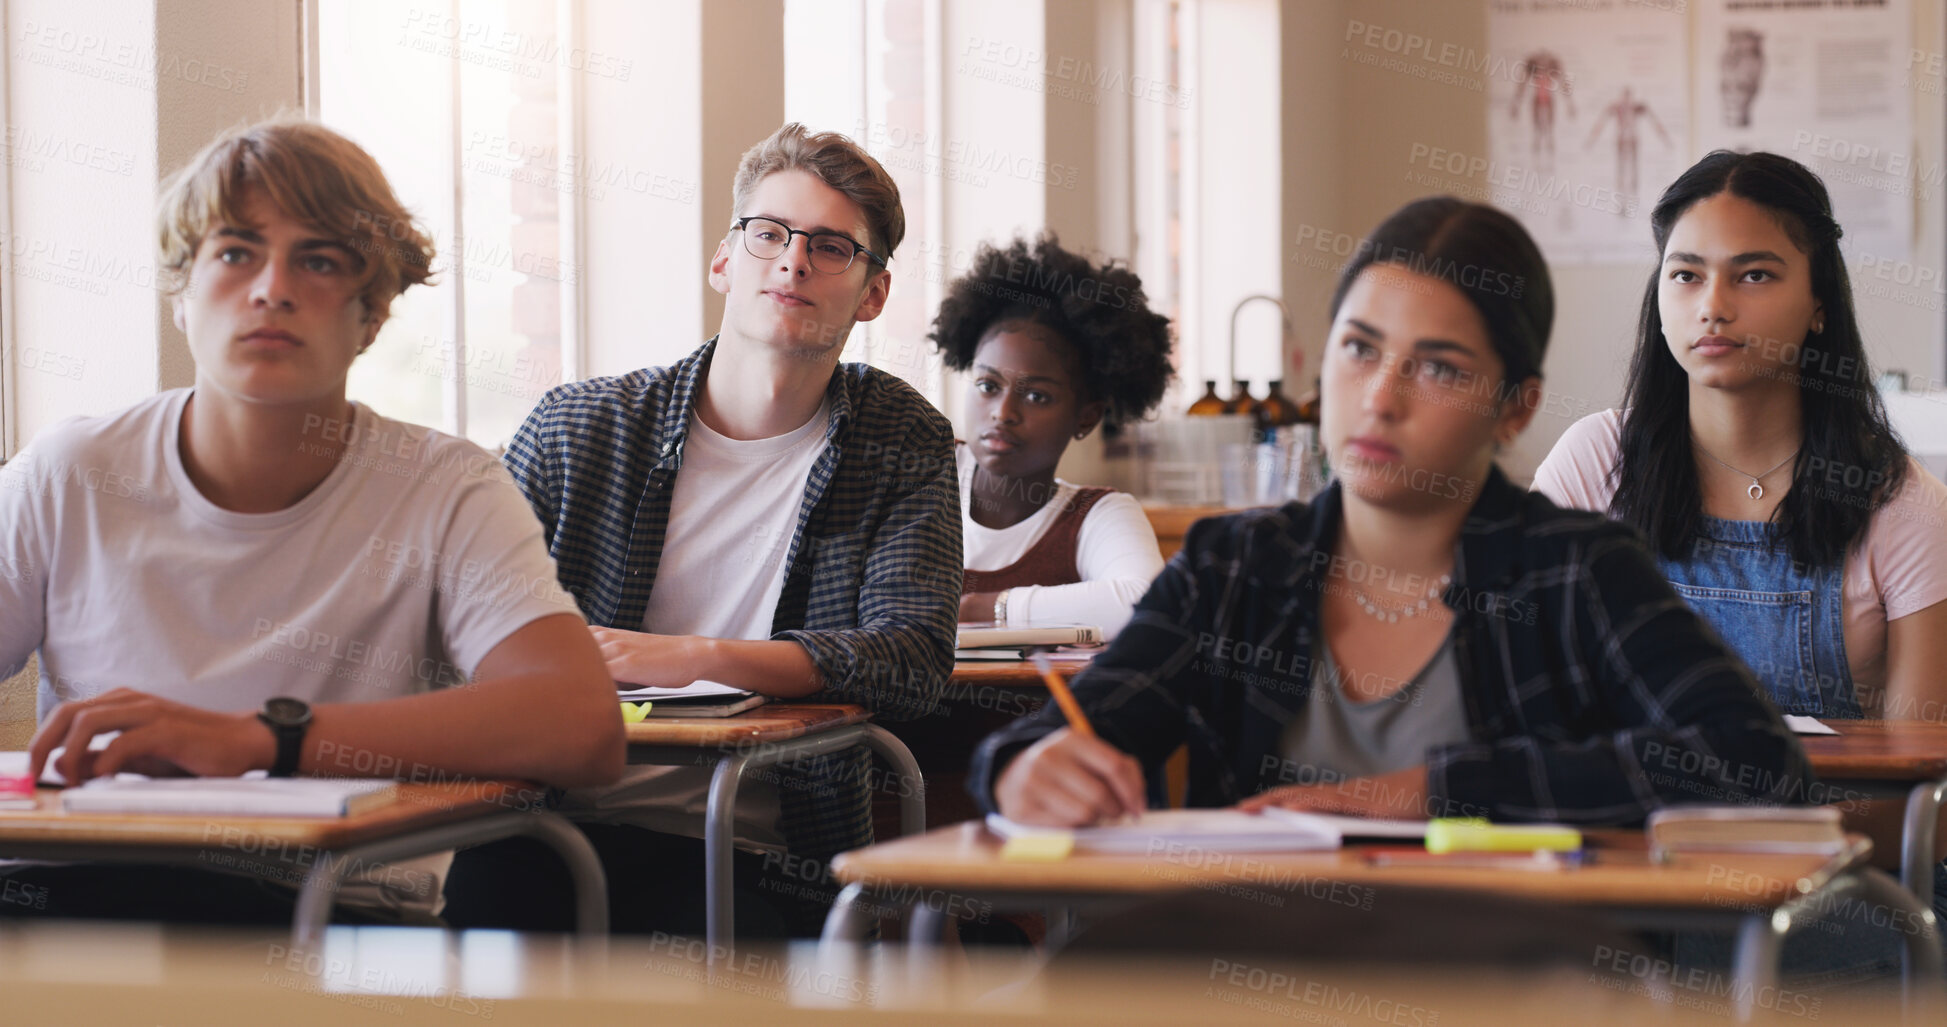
x=102, y=100
x=84, y=304
x=1384, y=114
x=994, y=129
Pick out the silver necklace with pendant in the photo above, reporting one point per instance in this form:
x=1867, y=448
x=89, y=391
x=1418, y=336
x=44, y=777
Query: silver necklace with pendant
x=1419, y=609
x=1755, y=490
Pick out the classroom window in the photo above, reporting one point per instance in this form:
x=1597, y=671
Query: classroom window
x=1207, y=183
x=866, y=68
x=479, y=143
x=1156, y=164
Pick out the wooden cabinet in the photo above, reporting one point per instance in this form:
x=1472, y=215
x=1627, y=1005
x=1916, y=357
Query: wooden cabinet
x=1173, y=522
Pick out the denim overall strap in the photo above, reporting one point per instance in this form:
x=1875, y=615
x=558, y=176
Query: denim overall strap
x=1785, y=619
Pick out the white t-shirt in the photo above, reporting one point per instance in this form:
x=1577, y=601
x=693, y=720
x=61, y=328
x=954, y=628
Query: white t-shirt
x=1898, y=567
x=732, y=513
x=398, y=574
x=1115, y=553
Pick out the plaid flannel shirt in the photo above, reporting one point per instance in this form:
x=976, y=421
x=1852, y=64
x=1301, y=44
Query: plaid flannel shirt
x=872, y=580
x=1593, y=693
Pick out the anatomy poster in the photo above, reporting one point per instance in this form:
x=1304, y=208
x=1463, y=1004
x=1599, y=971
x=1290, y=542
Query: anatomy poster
x=1588, y=120
x=1824, y=83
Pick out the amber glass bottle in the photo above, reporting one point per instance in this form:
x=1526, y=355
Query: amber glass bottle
x=1308, y=405
x=1275, y=412
x=1241, y=401
x=1209, y=403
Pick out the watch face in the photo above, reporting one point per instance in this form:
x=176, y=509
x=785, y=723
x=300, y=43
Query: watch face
x=291, y=712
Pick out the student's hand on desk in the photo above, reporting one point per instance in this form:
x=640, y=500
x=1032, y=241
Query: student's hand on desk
x=977, y=607
x=159, y=737
x=647, y=661
x=1068, y=780
x=1400, y=795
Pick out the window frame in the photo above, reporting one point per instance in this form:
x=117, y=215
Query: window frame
x=572, y=218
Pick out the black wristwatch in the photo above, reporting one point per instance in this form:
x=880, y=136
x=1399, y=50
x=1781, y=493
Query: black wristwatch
x=288, y=719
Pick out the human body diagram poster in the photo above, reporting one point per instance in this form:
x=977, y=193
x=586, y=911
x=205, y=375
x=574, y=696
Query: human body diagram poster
x=1590, y=124
x=1824, y=83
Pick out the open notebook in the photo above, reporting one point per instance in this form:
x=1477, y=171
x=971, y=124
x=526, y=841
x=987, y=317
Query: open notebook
x=17, y=789
x=1223, y=830
x=249, y=796
x=700, y=699
x=253, y=794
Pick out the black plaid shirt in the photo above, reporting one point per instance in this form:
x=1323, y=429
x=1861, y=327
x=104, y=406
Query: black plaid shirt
x=872, y=580
x=1593, y=693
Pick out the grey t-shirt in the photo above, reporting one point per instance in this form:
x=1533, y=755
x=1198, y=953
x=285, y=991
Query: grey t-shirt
x=1342, y=738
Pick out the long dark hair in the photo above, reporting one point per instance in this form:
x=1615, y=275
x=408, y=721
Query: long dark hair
x=1846, y=437
x=1485, y=254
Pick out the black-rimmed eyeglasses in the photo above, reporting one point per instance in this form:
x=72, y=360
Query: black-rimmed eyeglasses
x=830, y=252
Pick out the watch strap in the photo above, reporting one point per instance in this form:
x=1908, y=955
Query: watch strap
x=290, y=746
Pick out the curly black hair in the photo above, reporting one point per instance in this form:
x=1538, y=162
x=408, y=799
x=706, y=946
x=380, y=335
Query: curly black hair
x=1120, y=346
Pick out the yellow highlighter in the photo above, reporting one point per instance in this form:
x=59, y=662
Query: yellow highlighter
x=1468, y=834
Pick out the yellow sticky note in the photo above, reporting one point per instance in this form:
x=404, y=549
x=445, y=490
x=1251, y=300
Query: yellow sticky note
x=1039, y=848
x=1474, y=835
x=633, y=712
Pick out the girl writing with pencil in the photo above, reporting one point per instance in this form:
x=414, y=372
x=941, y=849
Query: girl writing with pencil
x=1056, y=345
x=1424, y=638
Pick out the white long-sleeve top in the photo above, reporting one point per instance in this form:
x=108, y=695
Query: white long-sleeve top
x=1115, y=554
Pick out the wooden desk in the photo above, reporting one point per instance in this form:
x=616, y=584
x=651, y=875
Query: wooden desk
x=1173, y=522
x=428, y=818
x=1891, y=757
x=966, y=857
x=1021, y=673
x=768, y=735
x=963, y=862
x=87, y=973
x=771, y=722
x=1879, y=750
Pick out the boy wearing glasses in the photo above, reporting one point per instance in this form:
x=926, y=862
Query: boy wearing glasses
x=760, y=515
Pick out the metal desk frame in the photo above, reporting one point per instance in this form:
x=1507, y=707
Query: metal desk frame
x=719, y=818
x=322, y=881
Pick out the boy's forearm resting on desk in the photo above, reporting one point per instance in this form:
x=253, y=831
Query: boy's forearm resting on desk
x=539, y=708
x=779, y=669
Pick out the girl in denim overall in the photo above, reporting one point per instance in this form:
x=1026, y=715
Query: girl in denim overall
x=1754, y=452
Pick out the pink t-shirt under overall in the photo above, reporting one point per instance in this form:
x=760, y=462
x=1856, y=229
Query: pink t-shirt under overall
x=1898, y=567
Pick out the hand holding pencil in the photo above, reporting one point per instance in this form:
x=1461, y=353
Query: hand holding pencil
x=1072, y=777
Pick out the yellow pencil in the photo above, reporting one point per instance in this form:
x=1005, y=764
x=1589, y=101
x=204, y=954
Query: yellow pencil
x=1064, y=698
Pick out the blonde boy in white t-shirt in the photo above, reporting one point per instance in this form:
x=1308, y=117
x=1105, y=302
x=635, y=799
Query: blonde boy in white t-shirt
x=256, y=573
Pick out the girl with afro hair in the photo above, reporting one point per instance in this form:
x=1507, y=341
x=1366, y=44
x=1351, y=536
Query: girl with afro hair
x=1056, y=346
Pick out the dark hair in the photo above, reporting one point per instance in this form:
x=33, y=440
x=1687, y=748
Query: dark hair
x=1843, y=420
x=1121, y=346
x=1485, y=254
